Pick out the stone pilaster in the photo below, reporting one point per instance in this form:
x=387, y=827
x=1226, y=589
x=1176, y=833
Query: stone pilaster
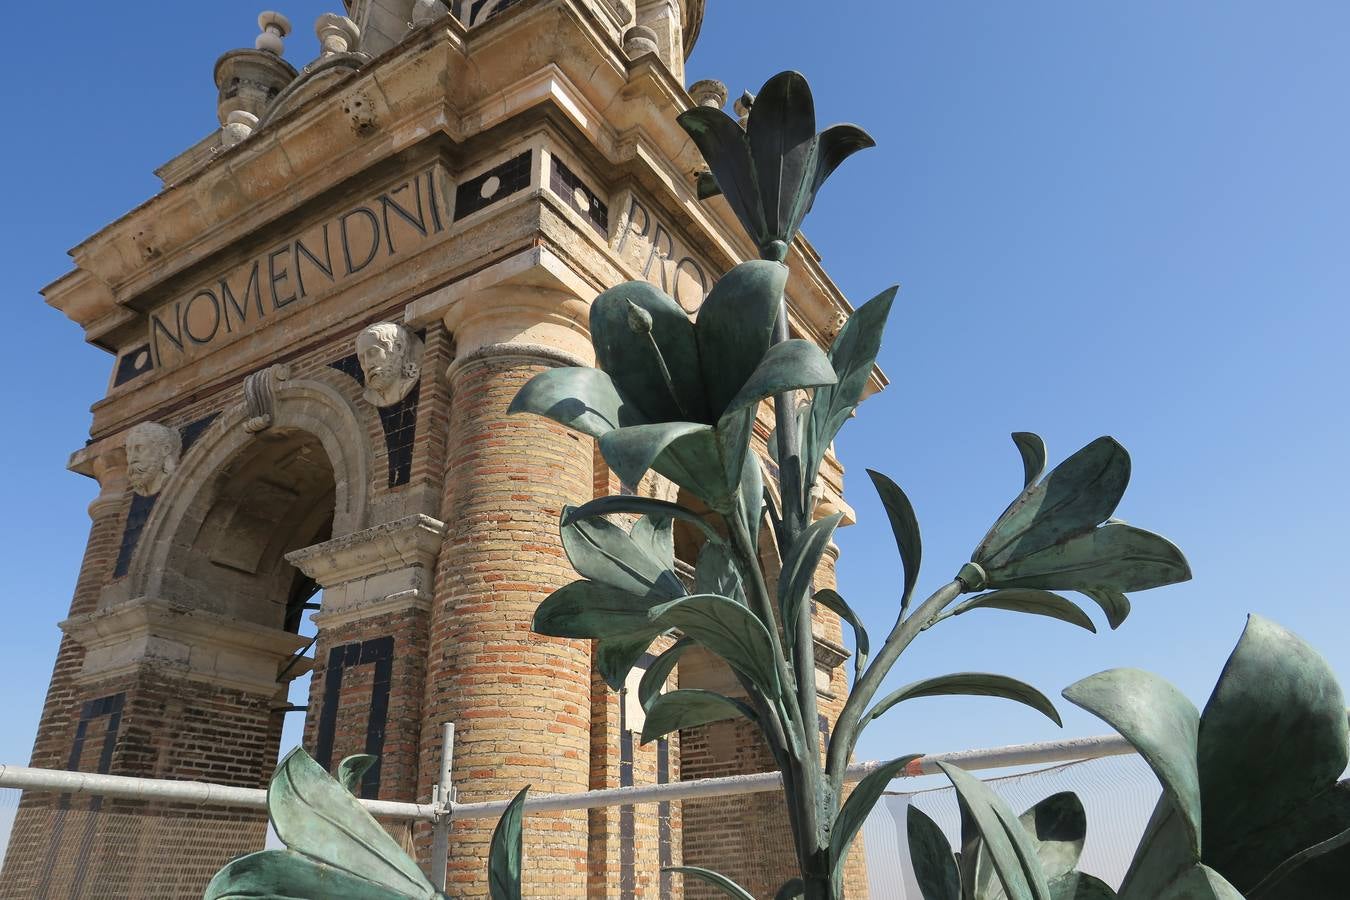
x=370, y=659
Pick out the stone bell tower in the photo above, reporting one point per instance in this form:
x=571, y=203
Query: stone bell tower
x=316, y=327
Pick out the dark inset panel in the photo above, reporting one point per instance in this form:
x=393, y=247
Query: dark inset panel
x=136, y=361
x=193, y=430
x=91, y=711
x=350, y=365
x=475, y=12
x=137, y=516
x=569, y=187
x=378, y=652
x=493, y=185
x=665, y=843
x=400, y=431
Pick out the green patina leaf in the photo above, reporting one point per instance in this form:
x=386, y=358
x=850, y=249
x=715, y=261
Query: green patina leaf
x=644, y=506
x=603, y=552
x=688, y=709
x=316, y=817
x=1275, y=726
x=286, y=875
x=716, y=879
x=582, y=399
x=655, y=536
x=588, y=609
x=685, y=452
x=1114, y=557
x=716, y=573
x=353, y=768
x=1003, y=838
x=506, y=850
x=1115, y=604
x=970, y=684
x=658, y=673
x=857, y=808
x=615, y=657
x=790, y=890
x=727, y=151
x=729, y=630
x=932, y=859
x=1032, y=448
x=1037, y=603
x=853, y=356
x=787, y=366
x=633, y=363
x=735, y=329
x=836, y=144
x=1079, y=494
x=1057, y=827
x=832, y=601
x=1161, y=724
x=781, y=131
x=905, y=526
x=1202, y=883
x=1080, y=886
x=799, y=568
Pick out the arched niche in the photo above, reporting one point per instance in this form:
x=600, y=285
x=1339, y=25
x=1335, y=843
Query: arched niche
x=239, y=501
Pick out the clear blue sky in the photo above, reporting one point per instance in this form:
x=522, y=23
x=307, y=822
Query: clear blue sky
x=1125, y=219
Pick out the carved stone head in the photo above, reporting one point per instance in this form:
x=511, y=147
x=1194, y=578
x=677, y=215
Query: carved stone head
x=391, y=359
x=152, y=456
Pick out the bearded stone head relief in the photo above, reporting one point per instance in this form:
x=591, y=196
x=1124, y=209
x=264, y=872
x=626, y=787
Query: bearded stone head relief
x=391, y=359
x=152, y=456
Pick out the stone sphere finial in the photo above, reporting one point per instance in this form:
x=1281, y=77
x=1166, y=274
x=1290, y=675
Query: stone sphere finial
x=337, y=34
x=239, y=124
x=709, y=92
x=274, y=27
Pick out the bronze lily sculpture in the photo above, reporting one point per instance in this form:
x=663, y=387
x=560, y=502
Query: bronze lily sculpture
x=679, y=398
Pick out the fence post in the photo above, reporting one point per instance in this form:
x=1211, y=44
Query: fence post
x=443, y=797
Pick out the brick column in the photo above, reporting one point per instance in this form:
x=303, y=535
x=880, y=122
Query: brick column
x=520, y=701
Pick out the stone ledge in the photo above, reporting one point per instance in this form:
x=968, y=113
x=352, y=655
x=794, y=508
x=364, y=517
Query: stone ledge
x=192, y=643
x=410, y=541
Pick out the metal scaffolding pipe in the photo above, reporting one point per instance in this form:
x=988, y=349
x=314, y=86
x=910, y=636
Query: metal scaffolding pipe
x=204, y=794
x=998, y=757
x=195, y=792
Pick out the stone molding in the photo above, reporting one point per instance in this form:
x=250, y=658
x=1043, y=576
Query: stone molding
x=410, y=541
x=189, y=643
x=384, y=569
x=524, y=352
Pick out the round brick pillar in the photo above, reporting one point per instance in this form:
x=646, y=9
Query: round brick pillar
x=520, y=702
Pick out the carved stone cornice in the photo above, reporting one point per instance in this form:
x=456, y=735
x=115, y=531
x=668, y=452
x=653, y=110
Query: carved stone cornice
x=190, y=643
x=411, y=541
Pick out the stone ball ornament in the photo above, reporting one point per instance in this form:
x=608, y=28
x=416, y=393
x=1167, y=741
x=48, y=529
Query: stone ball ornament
x=391, y=360
x=152, y=456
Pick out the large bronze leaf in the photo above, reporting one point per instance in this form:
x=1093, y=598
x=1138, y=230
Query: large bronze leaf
x=588, y=609
x=633, y=363
x=836, y=604
x=603, y=552
x=969, y=684
x=905, y=526
x=286, y=875
x=799, y=568
x=1114, y=557
x=727, y=151
x=315, y=816
x=689, y=708
x=782, y=133
x=1273, y=740
x=1036, y=603
x=582, y=399
x=735, y=329
x=506, y=851
x=1006, y=842
x=931, y=856
x=1078, y=494
x=857, y=808
x=716, y=879
x=729, y=630
x=1161, y=724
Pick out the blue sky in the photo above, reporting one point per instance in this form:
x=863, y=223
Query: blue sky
x=1125, y=219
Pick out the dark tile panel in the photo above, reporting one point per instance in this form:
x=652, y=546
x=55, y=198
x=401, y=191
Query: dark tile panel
x=570, y=188
x=511, y=176
x=136, y=361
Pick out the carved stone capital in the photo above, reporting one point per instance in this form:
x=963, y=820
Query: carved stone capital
x=106, y=463
x=190, y=643
x=375, y=571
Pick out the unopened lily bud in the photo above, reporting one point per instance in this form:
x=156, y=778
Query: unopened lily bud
x=639, y=320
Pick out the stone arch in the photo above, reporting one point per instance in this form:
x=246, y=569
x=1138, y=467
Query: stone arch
x=308, y=416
